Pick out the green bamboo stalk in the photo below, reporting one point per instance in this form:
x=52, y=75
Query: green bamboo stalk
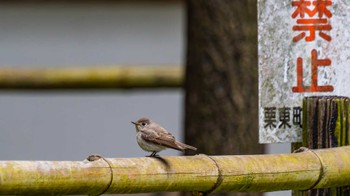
x=112, y=77
x=250, y=173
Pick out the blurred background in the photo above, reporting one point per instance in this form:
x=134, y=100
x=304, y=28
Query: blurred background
x=69, y=124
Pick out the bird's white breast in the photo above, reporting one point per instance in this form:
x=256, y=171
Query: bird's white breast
x=148, y=146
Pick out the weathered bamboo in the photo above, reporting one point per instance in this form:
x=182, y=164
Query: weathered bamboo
x=91, y=78
x=326, y=124
x=300, y=171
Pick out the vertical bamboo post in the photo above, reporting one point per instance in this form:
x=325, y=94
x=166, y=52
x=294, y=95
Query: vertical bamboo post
x=325, y=125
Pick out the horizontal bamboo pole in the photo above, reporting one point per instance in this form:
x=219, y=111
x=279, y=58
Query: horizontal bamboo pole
x=91, y=78
x=257, y=173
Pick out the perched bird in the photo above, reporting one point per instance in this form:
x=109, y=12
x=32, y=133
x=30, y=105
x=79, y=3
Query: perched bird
x=151, y=137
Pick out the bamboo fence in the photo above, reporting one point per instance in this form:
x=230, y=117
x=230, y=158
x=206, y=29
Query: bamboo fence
x=111, y=77
x=202, y=174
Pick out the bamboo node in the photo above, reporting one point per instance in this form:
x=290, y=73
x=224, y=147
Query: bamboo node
x=301, y=149
x=94, y=157
x=218, y=180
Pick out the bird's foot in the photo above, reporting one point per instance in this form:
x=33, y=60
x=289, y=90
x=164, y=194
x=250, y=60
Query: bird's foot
x=154, y=154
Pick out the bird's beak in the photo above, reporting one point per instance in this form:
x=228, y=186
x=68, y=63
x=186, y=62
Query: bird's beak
x=134, y=123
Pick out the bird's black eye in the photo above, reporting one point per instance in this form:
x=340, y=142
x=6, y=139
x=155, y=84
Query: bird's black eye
x=143, y=124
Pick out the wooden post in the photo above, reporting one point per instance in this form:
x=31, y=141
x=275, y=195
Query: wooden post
x=325, y=125
x=221, y=100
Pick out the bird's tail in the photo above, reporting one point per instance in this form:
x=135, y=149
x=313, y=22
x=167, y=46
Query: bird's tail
x=185, y=146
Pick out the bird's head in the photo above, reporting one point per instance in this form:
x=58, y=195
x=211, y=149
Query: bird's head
x=141, y=123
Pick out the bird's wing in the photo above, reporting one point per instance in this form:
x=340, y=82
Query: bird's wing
x=161, y=138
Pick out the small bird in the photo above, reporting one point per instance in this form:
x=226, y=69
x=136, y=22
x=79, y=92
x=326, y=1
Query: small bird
x=151, y=137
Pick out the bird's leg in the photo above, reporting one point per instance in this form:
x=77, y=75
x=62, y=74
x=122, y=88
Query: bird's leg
x=154, y=154
x=151, y=155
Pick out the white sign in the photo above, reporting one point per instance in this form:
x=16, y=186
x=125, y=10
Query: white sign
x=304, y=50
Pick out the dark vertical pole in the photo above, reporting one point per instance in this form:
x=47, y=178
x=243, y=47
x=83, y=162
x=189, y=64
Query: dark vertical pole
x=325, y=125
x=221, y=105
